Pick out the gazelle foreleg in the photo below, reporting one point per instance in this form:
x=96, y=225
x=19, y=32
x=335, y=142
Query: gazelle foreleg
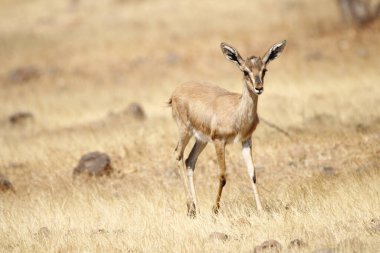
x=247, y=156
x=220, y=153
x=190, y=166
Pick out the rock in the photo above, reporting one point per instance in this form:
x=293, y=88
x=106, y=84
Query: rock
x=135, y=110
x=20, y=118
x=297, y=244
x=5, y=184
x=268, y=246
x=219, y=236
x=94, y=164
x=362, y=128
x=324, y=250
x=351, y=245
x=328, y=170
x=23, y=74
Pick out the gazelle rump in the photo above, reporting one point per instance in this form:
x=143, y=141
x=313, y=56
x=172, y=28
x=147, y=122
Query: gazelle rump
x=213, y=114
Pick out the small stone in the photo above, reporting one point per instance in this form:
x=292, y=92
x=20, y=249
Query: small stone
x=268, y=246
x=375, y=221
x=94, y=164
x=297, y=244
x=362, y=128
x=136, y=110
x=328, y=170
x=20, y=118
x=5, y=184
x=99, y=231
x=23, y=74
x=218, y=236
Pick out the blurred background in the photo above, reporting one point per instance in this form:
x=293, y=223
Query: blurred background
x=71, y=62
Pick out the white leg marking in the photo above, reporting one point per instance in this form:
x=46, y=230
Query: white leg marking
x=247, y=156
x=190, y=166
x=190, y=177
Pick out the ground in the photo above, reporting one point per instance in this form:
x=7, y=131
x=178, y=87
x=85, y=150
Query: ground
x=88, y=60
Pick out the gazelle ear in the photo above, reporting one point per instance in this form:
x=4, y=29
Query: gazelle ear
x=274, y=52
x=232, y=54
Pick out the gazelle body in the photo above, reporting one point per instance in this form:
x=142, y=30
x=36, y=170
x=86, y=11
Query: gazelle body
x=213, y=114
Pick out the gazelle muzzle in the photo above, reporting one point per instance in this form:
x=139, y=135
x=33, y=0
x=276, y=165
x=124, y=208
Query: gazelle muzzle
x=257, y=85
x=259, y=90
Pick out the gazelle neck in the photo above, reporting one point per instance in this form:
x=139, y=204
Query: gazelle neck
x=248, y=98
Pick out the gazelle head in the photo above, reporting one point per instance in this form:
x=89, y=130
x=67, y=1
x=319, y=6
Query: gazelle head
x=254, y=68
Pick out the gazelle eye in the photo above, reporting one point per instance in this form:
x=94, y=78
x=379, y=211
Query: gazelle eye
x=264, y=71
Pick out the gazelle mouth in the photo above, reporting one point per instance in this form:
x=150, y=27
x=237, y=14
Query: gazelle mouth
x=258, y=91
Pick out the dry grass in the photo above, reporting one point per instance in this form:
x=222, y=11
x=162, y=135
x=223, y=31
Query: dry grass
x=95, y=57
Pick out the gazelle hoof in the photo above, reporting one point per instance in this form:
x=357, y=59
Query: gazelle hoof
x=191, y=210
x=215, y=209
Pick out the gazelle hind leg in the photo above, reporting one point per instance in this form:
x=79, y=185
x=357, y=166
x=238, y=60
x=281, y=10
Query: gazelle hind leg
x=190, y=167
x=184, y=137
x=247, y=156
x=220, y=152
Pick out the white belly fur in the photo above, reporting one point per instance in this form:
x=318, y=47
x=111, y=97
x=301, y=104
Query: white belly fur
x=201, y=136
x=205, y=138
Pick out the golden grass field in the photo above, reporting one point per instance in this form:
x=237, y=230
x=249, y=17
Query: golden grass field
x=94, y=58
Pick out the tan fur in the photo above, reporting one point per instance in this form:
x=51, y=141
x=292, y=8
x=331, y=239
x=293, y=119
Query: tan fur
x=213, y=114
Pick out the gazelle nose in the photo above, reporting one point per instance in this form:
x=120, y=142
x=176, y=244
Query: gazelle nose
x=259, y=90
